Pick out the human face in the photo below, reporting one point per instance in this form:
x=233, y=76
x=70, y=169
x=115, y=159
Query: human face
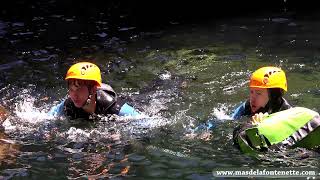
x=259, y=98
x=78, y=93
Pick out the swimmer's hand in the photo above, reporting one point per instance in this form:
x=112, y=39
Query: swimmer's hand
x=258, y=118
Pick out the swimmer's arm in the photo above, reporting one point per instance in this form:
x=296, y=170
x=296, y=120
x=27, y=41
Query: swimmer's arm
x=239, y=111
x=57, y=110
x=127, y=110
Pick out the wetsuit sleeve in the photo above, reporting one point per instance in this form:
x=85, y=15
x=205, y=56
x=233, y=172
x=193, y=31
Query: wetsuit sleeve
x=108, y=104
x=57, y=110
x=127, y=110
x=239, y=111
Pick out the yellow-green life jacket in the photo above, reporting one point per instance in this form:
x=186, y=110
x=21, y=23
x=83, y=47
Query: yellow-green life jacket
x=295, y=127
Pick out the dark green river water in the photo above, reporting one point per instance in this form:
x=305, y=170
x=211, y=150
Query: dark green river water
x=179, y=76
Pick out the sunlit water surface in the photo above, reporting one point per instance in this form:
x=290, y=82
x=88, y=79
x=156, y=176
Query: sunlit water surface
x=180, y=77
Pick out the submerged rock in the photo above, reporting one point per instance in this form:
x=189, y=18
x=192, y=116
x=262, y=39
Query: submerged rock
x=3, y=114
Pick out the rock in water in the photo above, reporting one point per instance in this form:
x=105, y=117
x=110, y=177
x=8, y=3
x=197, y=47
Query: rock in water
x=3, y=114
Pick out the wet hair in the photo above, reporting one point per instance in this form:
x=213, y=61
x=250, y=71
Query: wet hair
x=80, y=82
x=275, y=101
x=275, y=98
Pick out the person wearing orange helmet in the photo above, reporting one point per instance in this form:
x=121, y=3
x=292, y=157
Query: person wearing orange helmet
x=87, y=95
x=267, y=87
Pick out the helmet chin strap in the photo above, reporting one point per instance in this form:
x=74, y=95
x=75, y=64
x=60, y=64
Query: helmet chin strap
x=88, y=101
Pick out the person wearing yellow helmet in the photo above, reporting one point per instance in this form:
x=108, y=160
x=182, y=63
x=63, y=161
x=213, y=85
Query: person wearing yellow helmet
x=87, y=95
x=267, y=87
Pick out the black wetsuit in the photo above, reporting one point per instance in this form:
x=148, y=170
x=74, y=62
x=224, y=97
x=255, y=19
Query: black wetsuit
x=245, y=110
x=107, y=103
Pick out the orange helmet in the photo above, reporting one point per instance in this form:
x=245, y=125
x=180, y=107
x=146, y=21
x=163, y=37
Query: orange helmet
x=269, y=77
x=85, y=71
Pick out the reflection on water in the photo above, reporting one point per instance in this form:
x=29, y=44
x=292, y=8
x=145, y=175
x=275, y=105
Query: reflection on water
x=179, y=77
x=8, y=151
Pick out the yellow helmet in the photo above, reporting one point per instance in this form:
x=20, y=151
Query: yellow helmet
x=269, y=77
x=85, y=71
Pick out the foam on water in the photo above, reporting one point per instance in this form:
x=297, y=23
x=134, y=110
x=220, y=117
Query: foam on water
x=26, y=111
x=25, y=119
x=29, y=117
x=221, y=111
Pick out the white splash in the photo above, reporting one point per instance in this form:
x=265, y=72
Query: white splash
x=27, y=111
x=77, y=135
x=165, y=76
x=145, y=122
x=220, y=112
x=26, y=118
